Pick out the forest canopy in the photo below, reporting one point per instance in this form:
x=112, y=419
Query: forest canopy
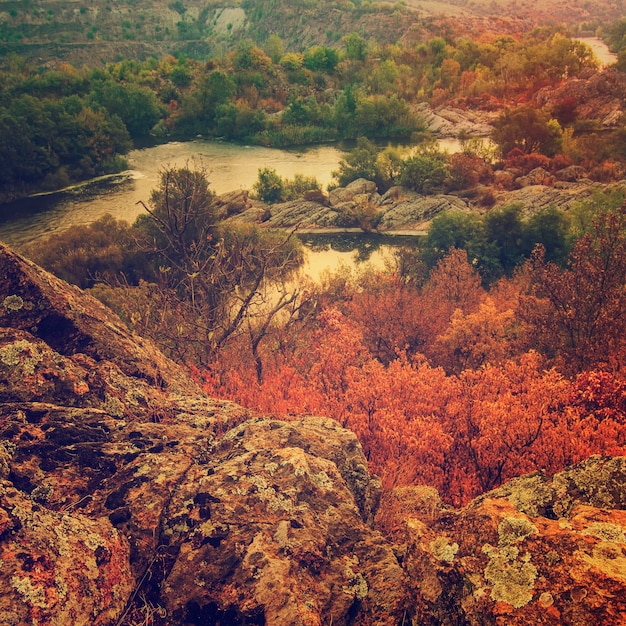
x=66, y=124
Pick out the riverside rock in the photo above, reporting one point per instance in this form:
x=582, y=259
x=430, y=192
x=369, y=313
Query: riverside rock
x=398, y=209
x=127, y=496
x=401, y=209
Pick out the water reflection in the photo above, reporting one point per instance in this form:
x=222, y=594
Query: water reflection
x=330, y=251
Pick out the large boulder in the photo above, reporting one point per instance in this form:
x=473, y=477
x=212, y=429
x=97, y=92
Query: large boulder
x=233, y=202
x=413, y=211
x=117, y=484
x=59, y=567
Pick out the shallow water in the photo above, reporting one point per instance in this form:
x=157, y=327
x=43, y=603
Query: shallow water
x=229, y=167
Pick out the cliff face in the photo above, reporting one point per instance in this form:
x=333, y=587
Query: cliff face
x=126, y=495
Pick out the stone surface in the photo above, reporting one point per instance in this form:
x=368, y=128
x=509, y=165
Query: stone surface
x=572, y=174
x=233, y=202
x=535, y=551
x=414, y=211
x=58, y=567
x=446, y=121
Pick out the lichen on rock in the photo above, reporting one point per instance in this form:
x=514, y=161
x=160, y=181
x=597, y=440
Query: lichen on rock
x=443, y=549
x=512, y=530
x=13, y=303
x=21, y=354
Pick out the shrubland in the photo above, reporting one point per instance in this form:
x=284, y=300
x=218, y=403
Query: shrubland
x=486, y=353
x=66, y=124
x=451, y=383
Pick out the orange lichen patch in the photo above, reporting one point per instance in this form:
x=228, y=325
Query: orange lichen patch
x=60, y=568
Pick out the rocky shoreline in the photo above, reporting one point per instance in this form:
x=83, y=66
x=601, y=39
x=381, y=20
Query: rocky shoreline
x=400, y=210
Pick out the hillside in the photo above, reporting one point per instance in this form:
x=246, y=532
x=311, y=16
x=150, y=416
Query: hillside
x=128, y=497
x=103, y=31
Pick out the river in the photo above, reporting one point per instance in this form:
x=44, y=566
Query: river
x=601, y=50
x=229, y=167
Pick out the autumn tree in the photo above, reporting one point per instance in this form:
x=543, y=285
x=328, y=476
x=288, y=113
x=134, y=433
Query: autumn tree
x=579, y=313
x=476, y=338
x=504, y=421
x=453, y=285
x=389, y=312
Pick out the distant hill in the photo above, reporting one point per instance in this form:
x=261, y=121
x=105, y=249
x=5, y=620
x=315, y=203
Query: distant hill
x=101, y=31
x=528, y=11
x=108, y=30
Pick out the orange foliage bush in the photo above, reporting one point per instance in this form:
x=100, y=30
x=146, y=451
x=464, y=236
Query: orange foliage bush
x=467, y=170
x=496, y=411
x=517, y=158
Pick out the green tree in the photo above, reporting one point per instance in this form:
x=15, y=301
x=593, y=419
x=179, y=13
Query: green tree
x=504, y=232
x=209, y=92
x=275, y=48
x=269, y=186
x=321, y=59
x=360, y=162
x=454, y=229
x=356, y=46
x=299, y=185
x=181, y=75
x=248, y=56
x=424, y=172
x=549, y=227
x=529, y=129
x=137, y=106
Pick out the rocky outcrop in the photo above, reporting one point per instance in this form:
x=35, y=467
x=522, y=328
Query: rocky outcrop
x=536, y=551
x=449, y=122
x=127, y=496
x=233, y=202
x=563, y=195
x=118, y=494
x=396, y=209
x=401, y=209
x=414, y=211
